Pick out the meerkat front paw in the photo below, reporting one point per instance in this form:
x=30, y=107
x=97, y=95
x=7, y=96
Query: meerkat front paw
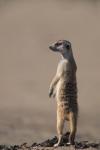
x=50, y=92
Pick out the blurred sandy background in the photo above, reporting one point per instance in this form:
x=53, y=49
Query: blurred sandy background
x=27, y=27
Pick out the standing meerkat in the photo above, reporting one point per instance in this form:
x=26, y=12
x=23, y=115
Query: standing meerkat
x=64, y=88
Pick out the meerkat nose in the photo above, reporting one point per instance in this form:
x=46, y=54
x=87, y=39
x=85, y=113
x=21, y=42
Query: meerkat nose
x=50, y=46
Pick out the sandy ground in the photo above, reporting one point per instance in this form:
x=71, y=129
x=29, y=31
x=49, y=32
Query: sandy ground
x=27, y=27
x=49, y=145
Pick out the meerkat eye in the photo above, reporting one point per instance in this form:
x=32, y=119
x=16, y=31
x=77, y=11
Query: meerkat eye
x=58, y=44
x=68, y=46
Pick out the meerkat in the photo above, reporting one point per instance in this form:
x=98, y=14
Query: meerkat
x=64, y=87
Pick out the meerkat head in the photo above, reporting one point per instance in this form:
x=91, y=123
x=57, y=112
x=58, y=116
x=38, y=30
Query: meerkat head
x=62, y=46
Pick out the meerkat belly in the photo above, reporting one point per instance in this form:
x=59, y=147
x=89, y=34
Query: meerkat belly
x=66, y=95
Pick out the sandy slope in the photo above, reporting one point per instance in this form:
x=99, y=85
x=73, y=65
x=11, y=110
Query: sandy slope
x=27, y=66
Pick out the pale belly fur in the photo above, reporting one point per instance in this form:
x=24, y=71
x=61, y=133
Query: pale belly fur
x=66, y=97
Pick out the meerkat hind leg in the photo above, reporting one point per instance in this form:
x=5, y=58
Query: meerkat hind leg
x=73, y=124
x=60, y=126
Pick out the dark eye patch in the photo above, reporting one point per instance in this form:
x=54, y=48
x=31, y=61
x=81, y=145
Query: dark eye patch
x=68, y=46
x=58, y=44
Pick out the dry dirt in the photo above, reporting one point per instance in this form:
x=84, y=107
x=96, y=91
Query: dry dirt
x=27, y=27
x=49, y=145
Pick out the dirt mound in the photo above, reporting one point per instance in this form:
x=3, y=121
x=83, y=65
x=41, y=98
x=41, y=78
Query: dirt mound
x=78, y=145
x=51, y=142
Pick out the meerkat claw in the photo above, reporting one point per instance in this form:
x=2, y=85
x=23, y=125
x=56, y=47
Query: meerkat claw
x=50, y=92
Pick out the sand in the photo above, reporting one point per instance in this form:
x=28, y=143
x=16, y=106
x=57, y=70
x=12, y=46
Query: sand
x=27, y=66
